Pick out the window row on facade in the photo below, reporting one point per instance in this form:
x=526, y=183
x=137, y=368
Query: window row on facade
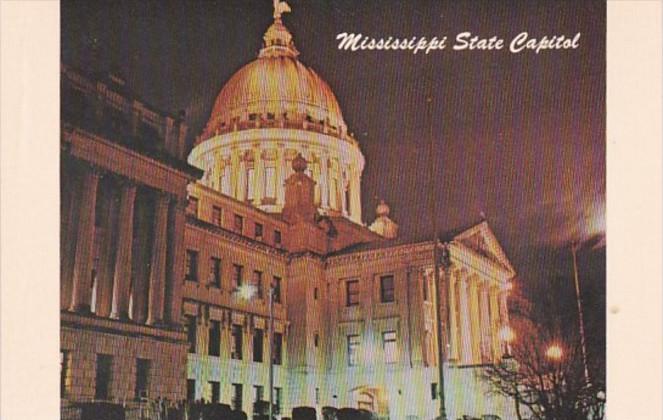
x=103, y=375
x=386, y=291
x=215, y=276
x=237, y=224
x=237, y=398
x=259, y=340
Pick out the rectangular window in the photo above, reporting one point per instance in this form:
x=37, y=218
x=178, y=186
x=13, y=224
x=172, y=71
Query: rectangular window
x=258, y=391
x=317, y=396
x=354, y=344
x=433, y=391
x=215, y=272
x=258, y=346
x=425, y=288
x=277, y=237
x=270, y=182
x=257, y=283
x=277, y=400
x=190, y=389
x=191, y=332
x=352, y=292
x=238, y=272
x=214, y=346
x=276, y=293
x=389, y=346
x=250, y=178
x=216, y=391
x=191, y=265
x=237, y=397
x=316, y=339
x=258, y=231
x=387, y=288
x=217, y=216
x=278, y=348
x=236, y=348
x=64, y=371
x=103, y=376
x=238, y=223
x=193, y=206
x=315, y=293
x=142, y=378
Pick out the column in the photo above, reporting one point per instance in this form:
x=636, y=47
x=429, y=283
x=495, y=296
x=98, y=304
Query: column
x=241, y=181
x=258, y=177
x=504, y=313
x=106, y=266
x=158, y=261
x=355, y=195
x=465, y=323
x=344, y=185
x=176, y=271
x=280, y=176
x=486, y=330
x=475, y=317
x=142, y=247
x=82, y=284
x=495, y=323
x=122, y=275
x=453, y=314
x=324, y=181
x=69, y=223
x=234, y=172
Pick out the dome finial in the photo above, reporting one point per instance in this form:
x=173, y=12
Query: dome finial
x=280, y=7
x=278, y=40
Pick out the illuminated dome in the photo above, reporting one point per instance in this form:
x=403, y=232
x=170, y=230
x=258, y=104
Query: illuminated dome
x=275, y=86
x=269, y=112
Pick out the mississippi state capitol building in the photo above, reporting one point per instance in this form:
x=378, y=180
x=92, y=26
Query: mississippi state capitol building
x=158, y=240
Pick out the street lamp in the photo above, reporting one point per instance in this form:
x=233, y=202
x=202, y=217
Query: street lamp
x=554, y=352
x=507, y=336
x=246, y=292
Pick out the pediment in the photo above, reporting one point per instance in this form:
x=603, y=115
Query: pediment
x=481, y=239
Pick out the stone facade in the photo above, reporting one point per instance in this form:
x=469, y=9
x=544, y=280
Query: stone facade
x=123, y=195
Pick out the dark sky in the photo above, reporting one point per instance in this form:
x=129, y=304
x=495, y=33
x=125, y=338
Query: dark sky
x=519, y=137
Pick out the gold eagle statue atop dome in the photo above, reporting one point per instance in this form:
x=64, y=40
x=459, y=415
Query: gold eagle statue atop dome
x=280, y=7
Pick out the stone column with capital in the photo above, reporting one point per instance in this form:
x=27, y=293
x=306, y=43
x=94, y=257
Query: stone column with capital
x=106, y=263
x=234, y=173
x=453, y=317
x=486, y=330
x=324, y=181
x=82, y=282
x=475, y=316
x=280, y=176
x=123, y=257
x=355, y=195
x=175, y=271
x=465, y=321
x=158, y=261
x=495, y=321
x=68, y=235
x=258, y=177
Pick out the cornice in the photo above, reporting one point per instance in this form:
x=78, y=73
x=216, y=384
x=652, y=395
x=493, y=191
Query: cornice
x=236, y=238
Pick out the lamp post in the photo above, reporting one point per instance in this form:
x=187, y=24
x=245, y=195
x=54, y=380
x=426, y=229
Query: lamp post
x=574, y=250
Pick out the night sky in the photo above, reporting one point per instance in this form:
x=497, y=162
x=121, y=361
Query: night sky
x=518, y=137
